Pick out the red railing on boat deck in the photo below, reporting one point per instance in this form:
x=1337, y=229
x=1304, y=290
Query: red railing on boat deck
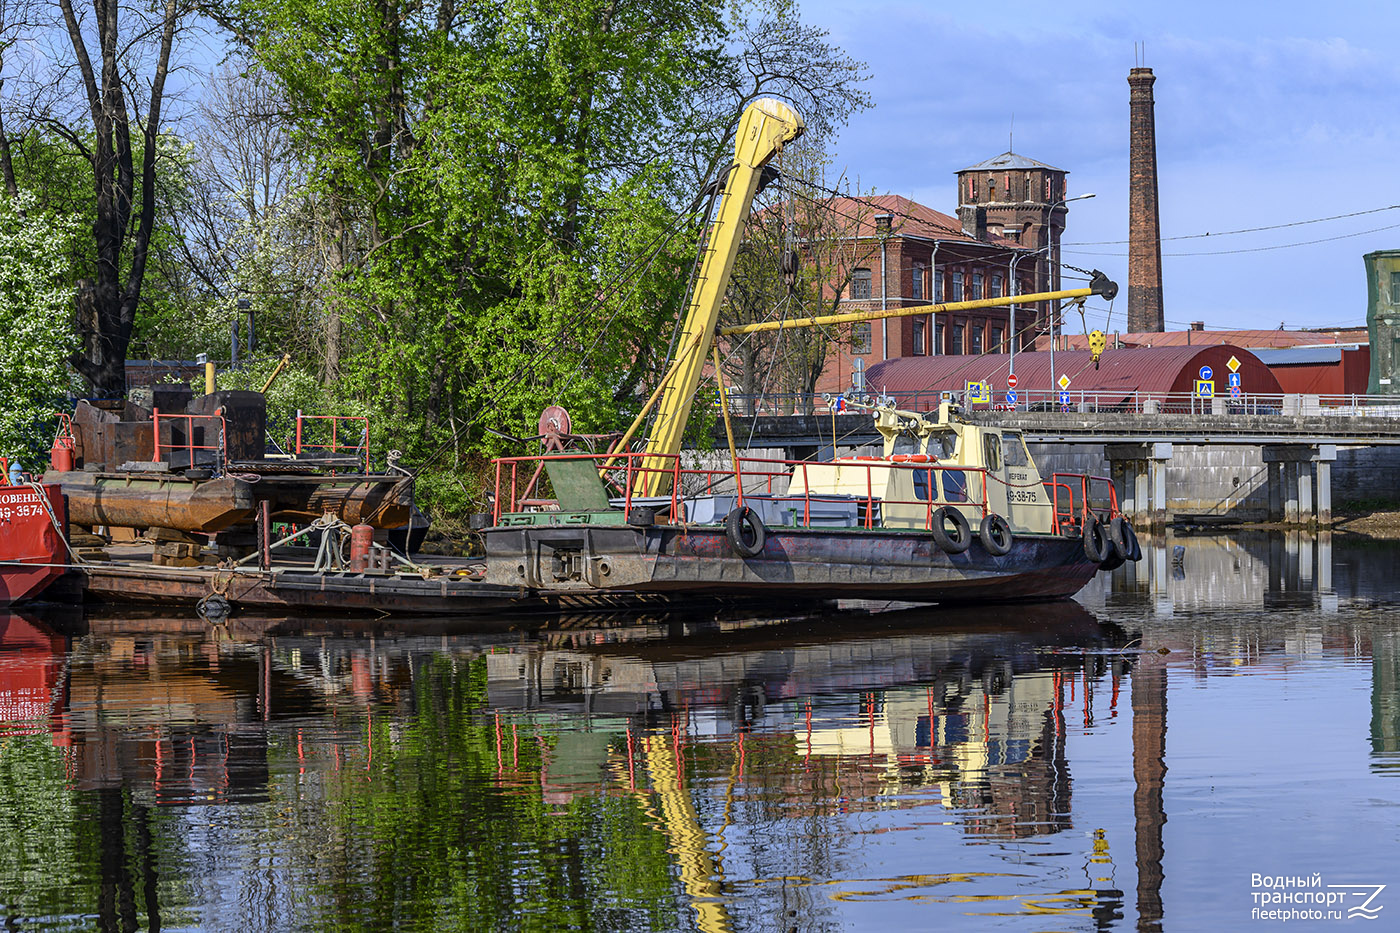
x=752, y=477
x=336, y=445
x=219, y=448
x=1067, y=513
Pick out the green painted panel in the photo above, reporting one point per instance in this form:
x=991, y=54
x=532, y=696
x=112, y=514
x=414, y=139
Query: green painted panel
x=577, y=485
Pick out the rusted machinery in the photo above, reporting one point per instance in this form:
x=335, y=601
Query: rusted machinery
x=184, y=464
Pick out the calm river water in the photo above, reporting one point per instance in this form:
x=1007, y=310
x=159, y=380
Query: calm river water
x=1214, y=731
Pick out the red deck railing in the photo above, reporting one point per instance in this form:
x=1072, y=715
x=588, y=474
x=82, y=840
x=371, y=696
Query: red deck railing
x=219, y=447
x=1073, y=497
x=337, y=445
x=1068, y=513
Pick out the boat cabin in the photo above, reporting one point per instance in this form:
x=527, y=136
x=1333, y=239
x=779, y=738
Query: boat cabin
x=928, y=464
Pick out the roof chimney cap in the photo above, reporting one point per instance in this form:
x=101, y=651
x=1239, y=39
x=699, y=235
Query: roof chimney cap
x=883, y=221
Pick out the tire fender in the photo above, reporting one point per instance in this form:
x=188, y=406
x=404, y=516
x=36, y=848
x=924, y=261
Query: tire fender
x=745, y=531
x=956, y=541
x=1124, y=539
x=1098, y=546
x=995, y=535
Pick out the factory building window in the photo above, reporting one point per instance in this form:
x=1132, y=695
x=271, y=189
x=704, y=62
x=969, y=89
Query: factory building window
x=860, y=285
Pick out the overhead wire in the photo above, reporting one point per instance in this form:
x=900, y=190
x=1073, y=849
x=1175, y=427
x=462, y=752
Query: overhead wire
x=1201, y=236
x=1253, y=249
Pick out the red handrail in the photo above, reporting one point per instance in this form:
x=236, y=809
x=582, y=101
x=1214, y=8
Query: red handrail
x=335, y=446
x=744, y=472
x=220, y=449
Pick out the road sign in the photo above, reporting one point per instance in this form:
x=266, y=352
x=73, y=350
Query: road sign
x=1234, y=391
x=1234, y=380
x=1011, y=397
x=1234, y=365
x=1205, y=388
x=1064, y=398
x=1206, y=373
x=1064, y=382
x=1011, y=381
x=978, y=392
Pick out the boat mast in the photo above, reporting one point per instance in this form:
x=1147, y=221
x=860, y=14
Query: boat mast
x=766, y=126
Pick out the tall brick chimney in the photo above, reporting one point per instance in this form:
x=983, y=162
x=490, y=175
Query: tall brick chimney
x=1144, y=226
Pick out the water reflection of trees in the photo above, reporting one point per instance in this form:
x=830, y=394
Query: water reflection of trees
x=422, y=781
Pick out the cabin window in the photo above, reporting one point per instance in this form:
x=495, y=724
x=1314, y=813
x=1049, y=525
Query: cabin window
x=1014, y=450
x=941, y=444
x=954, y=486
x=921, y=485
x=991, y=447
x=860, y=337
x=905, y=444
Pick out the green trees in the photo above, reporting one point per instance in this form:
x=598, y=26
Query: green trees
x=450, y=214
x=35, y=318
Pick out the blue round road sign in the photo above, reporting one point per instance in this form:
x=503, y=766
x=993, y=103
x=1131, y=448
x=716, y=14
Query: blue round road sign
x=1206, y=372
x=1011, y=398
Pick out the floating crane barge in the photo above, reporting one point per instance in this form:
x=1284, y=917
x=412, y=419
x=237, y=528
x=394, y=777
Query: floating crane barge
x=946, y=512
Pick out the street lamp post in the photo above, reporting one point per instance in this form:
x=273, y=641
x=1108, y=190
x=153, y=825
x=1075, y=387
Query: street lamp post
x=1054, y=257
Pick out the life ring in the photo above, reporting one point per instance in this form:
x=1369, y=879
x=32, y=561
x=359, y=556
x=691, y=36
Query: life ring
x=911, y=458
x=1098, y=547
x=996, y=535
x=961, y=537
x=1124, y=539
x=745, y=531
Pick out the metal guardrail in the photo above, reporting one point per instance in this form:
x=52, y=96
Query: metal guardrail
x=1071, y=400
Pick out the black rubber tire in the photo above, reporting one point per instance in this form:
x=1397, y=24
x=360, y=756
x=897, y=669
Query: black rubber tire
x=197, y=473
x=1098, y=547
x=995, y=535
x=739, y=521
x=1124, y=539
x=961, y=538
x=213, y=608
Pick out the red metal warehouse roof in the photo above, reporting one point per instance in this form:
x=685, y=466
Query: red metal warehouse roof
x=1142, y=369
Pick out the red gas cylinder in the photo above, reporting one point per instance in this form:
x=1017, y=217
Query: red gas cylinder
x=361, y=540
x=61, y=454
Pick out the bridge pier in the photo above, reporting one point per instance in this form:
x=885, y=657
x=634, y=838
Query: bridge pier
x=1296, y=471
x=1140, y=471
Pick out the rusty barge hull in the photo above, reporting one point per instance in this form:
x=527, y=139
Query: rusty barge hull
x=172, y=500
x=800, y=563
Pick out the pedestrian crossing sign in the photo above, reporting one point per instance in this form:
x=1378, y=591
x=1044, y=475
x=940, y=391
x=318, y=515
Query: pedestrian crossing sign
x=1205, y=388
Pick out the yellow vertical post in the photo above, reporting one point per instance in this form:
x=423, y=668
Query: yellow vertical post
x=766, y=126
x=208, y=378
x=724, y=407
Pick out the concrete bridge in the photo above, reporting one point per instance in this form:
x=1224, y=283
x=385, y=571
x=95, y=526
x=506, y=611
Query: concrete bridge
x=1167, y=466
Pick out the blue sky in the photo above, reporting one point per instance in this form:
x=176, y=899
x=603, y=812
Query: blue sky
x=1266, y=114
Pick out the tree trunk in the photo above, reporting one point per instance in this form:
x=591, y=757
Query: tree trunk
x=114, y=297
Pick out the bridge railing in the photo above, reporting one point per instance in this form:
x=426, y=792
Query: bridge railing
x=787, y=404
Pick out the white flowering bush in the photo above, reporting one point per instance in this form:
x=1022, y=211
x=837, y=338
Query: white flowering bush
x=36, y=331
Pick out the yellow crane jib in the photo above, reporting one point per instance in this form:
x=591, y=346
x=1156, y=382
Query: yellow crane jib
x=765, y=127
x=1100, y=285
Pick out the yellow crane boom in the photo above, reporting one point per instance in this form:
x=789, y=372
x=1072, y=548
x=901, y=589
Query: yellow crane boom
x=766, y=126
